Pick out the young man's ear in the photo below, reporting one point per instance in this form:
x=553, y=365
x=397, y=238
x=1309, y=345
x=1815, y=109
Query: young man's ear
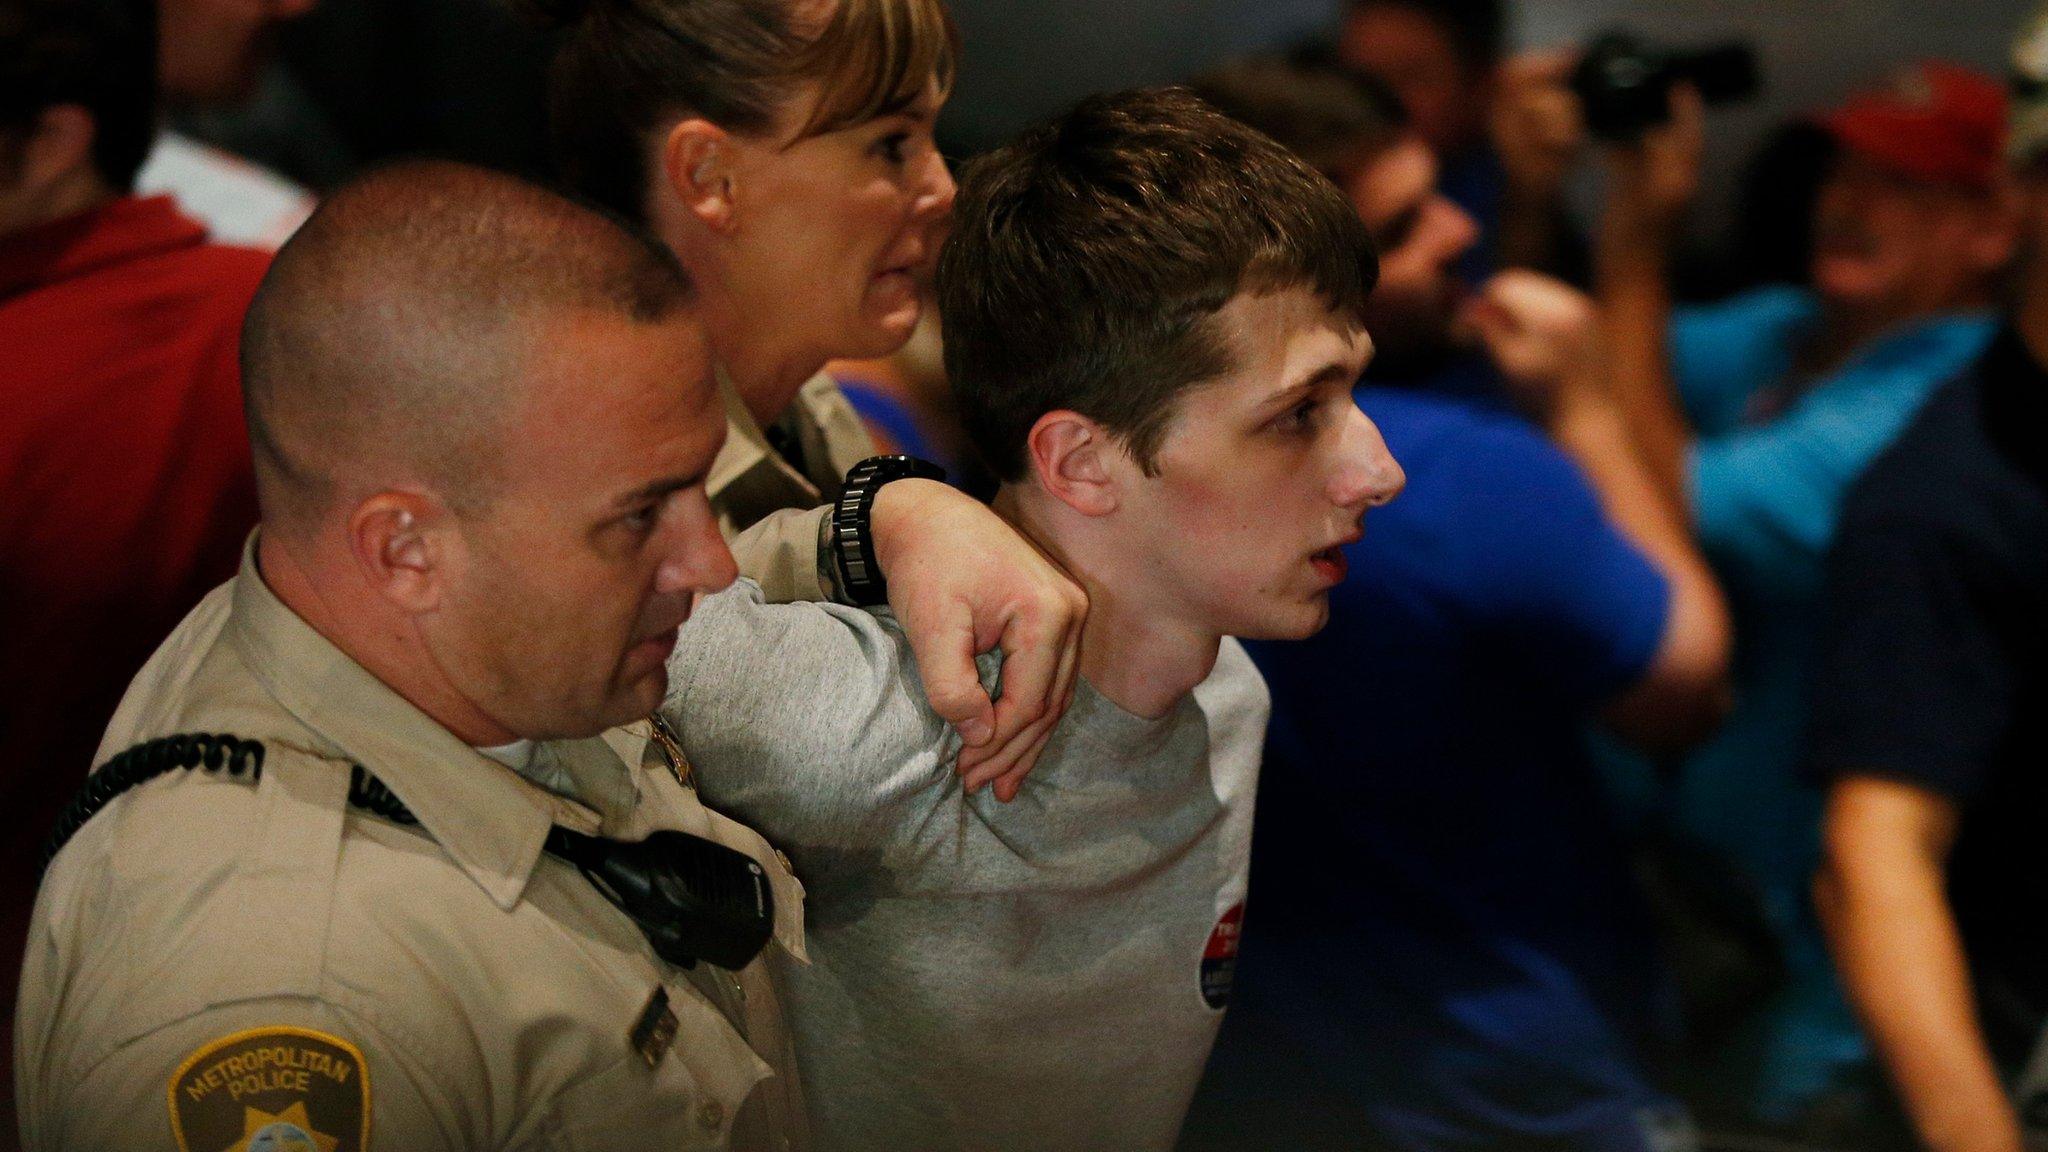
x=697, y=161
x=1076, y=461
x=397, y=542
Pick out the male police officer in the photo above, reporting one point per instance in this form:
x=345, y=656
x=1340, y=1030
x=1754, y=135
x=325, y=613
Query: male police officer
x=341, y=911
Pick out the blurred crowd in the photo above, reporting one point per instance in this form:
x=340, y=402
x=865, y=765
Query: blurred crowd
x=1659, y=781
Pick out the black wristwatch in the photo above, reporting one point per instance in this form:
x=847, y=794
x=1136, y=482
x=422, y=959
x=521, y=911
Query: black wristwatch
x=852, y=543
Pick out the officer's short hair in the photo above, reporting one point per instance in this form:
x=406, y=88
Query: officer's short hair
x=97, y=54
x=1088, y=259
x=392, y=325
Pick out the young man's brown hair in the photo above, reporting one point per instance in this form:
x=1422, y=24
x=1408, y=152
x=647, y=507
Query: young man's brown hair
x=1089, y=257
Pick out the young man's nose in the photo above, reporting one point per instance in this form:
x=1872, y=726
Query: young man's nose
x=1370, y=476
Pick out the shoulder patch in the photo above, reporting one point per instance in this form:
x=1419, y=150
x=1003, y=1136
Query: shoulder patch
x=272, y=1090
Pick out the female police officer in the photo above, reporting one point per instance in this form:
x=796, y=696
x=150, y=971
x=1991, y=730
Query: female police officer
x=783, y=150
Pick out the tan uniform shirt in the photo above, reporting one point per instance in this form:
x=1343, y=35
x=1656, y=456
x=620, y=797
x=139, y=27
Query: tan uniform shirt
x=771, y=512
x=215, y=963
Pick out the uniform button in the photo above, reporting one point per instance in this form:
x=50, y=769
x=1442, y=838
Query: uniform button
x=711, y=1114
x=738, y=990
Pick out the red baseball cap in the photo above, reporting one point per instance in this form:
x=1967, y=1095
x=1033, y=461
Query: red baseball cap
x=1934, y=121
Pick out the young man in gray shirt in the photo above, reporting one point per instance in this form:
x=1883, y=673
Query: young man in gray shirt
x=1152, y=324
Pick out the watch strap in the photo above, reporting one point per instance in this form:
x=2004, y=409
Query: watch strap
x=852, y=538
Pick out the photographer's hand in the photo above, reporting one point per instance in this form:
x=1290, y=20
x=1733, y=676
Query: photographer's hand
x=1535, y=122
x=1539, y=134
x=961, y=582
x=1652, y=183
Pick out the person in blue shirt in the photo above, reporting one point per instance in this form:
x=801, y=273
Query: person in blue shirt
x=1442, y=947
x=1758, y=414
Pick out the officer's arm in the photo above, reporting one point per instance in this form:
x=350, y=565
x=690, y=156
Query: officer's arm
x=780, y=553
x=305, y=1072
x=1881, y=893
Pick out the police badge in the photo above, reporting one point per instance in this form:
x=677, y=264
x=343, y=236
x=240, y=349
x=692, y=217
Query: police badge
x=272, y=1090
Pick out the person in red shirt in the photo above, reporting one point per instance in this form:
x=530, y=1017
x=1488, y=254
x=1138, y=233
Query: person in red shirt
x=125, y=481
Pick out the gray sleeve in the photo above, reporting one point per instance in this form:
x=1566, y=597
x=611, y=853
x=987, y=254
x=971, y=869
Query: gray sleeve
x=809, y=723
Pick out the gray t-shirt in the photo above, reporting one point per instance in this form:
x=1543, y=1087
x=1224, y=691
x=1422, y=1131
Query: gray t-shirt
x=1044, y=975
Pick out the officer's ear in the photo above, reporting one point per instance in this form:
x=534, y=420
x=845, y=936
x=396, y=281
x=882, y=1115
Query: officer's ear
x=398, y=543
x=700, y=162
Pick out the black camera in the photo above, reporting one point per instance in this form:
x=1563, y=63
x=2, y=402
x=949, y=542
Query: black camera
x=1624, y=84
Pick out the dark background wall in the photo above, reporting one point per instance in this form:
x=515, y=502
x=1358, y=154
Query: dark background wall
x=1028, y=58
x=461, y=77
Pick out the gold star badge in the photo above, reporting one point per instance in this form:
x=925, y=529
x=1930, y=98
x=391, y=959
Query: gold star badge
x=288, y=1131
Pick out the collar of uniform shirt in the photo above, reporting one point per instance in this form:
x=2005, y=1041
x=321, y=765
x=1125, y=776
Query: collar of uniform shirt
x=747, y=448
x=491, y=822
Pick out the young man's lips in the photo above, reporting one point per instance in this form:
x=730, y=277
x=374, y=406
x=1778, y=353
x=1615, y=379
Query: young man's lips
x=1331, y=564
